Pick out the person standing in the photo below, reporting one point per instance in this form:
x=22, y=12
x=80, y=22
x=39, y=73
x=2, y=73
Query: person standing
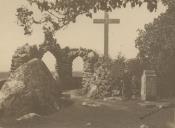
x=126, y=85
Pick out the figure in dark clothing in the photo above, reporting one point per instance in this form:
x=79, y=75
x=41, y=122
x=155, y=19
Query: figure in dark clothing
x=126, y=85
x=134, y=83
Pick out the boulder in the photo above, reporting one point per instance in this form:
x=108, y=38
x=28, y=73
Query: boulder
x=92, y=91
x=31, y=88
x=27, y=117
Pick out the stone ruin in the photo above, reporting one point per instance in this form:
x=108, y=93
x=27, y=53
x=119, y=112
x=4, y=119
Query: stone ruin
x=98, y=79
x=31, y=87
x=64, y=59
x=100, y=76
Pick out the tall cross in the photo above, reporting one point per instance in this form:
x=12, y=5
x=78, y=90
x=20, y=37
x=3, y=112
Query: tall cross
x=106, y=21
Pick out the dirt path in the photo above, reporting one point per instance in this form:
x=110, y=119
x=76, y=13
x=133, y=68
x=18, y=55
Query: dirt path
x=110, y=114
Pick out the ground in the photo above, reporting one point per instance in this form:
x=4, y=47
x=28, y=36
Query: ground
x=104, y=114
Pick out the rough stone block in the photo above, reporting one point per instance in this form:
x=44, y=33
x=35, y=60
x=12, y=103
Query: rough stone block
x=149, y=85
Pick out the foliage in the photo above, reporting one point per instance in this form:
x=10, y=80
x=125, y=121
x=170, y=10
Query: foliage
x=118, y=66
x=156, y=45
x=134, y=67
x=56, y=14
x=102, y=78
x=107, y=76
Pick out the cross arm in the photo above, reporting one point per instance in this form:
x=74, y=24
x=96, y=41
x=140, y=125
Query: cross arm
x=99, y=21
x=114, y=21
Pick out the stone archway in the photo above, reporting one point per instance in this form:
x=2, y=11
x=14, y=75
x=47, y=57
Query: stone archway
x=64, y=58
x=49, y=61
x=68, y=55
x=89, y=58
x=77, y=73
x=77, y=66
x=55, y=50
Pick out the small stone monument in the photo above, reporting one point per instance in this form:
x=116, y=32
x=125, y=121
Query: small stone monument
x=149, y=85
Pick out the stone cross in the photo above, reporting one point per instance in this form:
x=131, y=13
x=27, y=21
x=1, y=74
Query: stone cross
x=106, y=21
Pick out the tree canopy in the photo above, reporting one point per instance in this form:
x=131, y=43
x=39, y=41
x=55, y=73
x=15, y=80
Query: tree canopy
x=156, y=45
x=55, y=14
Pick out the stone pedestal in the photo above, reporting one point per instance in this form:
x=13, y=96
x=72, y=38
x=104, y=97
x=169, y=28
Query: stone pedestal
x=149, y=85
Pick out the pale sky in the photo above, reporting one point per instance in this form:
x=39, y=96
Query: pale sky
x=83, y=33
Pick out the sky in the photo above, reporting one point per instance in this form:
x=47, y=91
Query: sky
x=83, y=33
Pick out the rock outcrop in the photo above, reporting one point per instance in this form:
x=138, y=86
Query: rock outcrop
x=30, y=88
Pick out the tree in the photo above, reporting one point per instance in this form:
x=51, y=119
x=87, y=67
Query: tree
x=156, y=45
x=118, y=66
x=56, y=14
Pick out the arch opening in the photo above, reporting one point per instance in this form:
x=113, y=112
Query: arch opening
x=77, y=72
x=77, y=67
x=50, y=62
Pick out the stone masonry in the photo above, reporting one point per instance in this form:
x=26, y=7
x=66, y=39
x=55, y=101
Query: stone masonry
x=64, y=59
